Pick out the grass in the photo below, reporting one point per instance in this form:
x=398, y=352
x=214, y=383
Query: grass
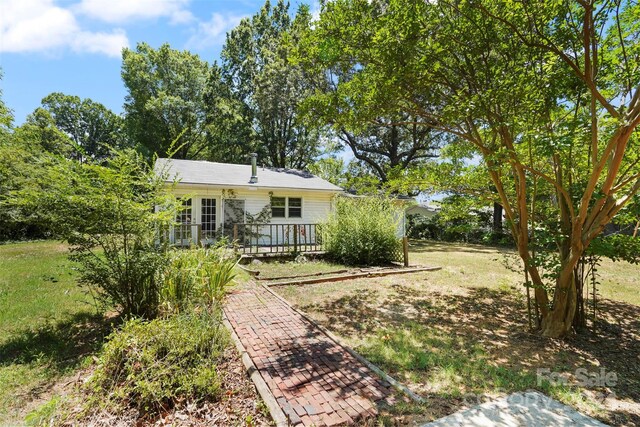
x=460, y=334
x=47, y=323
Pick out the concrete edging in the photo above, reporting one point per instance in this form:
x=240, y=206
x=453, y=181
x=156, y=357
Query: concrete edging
x=399, y=386
x=269, y=399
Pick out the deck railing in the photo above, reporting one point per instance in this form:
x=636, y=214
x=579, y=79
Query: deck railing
x=277, y=238
x=254, y=238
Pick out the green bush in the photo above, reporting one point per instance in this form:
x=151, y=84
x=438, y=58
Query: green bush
x=150, y=365
x=196, y=274
x=363, y=231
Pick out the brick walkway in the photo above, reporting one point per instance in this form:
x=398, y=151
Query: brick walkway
x=314, y=379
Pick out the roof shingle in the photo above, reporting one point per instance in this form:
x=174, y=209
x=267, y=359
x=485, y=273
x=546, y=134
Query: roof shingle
x=233, y=175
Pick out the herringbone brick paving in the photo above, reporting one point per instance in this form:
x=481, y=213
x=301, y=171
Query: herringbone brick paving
x=314, y=379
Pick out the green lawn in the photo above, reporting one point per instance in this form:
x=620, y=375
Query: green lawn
x=461, y=332
x=47, y=324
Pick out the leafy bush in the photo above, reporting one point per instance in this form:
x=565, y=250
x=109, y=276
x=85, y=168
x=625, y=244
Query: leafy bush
x=197, y=272
x=107, y=214
x=109, y=217
x=150, y=365
x=363, y=231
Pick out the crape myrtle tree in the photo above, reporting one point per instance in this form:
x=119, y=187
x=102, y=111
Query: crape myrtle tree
x=548, y=94
x=267, y=88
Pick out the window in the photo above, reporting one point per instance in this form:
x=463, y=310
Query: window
x=184, y=216
x=278, y=205
x=183, y=230
x=286, y=207
x=208, y=217
x=295, y=207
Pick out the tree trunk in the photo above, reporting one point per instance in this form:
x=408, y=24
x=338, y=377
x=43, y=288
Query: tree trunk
x=557, y=323
x=497, y=218
x=580, y=318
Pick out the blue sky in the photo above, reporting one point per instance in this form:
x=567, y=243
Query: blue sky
x=75, y=47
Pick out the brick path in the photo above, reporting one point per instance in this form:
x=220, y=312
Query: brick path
x=314, y=379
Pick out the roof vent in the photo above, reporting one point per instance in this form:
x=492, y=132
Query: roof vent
x=254, y=168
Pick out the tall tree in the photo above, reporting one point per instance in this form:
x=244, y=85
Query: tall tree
x=384, y=145
x=6, y=115
x=92, y=127
x=548, y=93
x=388, y=147
x=41, y=133
x=165, y=111
x=268, y=88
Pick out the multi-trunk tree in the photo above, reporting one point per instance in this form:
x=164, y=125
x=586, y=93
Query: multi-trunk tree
x=548, y=94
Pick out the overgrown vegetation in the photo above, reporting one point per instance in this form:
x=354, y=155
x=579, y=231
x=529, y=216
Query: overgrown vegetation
x=363, y=231
x=150, y=365
x=196, y=275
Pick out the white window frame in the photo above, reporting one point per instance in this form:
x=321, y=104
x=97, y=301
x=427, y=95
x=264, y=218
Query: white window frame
x=216, y=211
x=301, y=203
x=286, y=207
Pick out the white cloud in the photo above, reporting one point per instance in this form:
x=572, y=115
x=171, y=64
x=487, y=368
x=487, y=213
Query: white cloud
x=41, y=26
x=110, y=44
x=121, y=11
x=214, y=31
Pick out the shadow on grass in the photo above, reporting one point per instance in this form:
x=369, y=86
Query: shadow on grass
x=62, y=345
x=450, y=345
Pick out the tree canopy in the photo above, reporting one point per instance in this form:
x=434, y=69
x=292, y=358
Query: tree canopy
x=164, y=107
x=92, y=128
x=547, y=93
x=267, y=88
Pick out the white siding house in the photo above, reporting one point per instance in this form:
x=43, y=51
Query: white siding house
x=259, y=206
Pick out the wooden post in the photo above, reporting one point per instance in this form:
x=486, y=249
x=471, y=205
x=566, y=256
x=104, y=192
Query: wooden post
x=405, y=250
x=235, y=232
x=295, y=239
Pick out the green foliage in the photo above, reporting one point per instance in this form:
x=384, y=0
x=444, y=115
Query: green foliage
x=330, y=168
x=363, y=231
x=197, y=274
x=265, y=88
x=617, y=247
x=165, y=101
x=41, y=132
x=93, y=129
x=6, y=115
x=557, y=131
x=111, y=223
x=23, y=168
x=151, y=365
x=107, y=213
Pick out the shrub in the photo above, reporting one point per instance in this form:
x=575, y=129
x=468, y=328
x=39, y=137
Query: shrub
x=107, y=213
x=197, y=272
x=150, y=365
x=363, y=231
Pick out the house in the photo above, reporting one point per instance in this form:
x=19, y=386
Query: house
x=257, y=206
x=424, y=210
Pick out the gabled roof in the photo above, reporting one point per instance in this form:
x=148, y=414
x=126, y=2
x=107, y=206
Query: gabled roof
x=233, y=175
